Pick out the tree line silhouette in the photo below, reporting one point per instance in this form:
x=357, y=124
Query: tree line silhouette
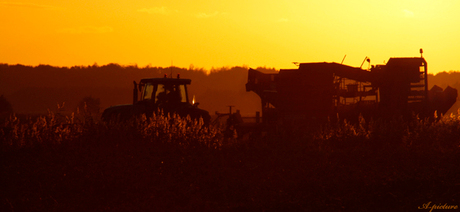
x=37, y=89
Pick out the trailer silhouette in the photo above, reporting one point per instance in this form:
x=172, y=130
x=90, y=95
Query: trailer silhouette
x=318, y=91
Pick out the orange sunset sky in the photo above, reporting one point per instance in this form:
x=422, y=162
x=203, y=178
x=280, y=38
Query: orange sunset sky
x=209, y=33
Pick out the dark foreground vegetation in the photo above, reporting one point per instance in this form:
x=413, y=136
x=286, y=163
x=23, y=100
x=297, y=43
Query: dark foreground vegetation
x=76, y=163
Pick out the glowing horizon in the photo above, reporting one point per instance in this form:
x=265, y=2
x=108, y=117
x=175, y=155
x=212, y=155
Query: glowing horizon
x=209, y=34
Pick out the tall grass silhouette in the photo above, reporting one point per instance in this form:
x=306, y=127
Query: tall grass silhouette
x=51, y=129
x=57, y=129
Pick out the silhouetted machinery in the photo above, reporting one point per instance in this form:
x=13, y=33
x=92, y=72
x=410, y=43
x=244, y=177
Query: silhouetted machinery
x=166, y=94
x=317, y=91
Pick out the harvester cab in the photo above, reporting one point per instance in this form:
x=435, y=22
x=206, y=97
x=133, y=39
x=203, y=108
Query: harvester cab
x=168, y=95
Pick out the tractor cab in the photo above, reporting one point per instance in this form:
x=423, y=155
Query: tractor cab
x=167, y=94
x=163, y=90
